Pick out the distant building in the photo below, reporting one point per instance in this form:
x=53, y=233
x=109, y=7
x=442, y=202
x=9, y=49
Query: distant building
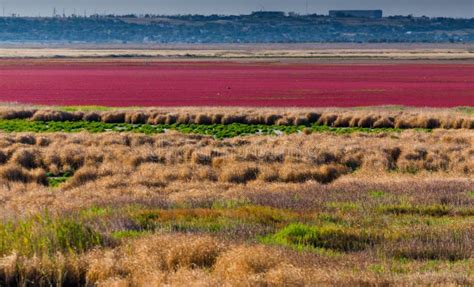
x=372, y=14
x=268, y=14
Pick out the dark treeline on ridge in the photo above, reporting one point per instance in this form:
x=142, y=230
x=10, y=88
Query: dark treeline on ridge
x=254, y=28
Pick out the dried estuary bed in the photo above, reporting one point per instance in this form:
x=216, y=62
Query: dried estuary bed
x=300, y=209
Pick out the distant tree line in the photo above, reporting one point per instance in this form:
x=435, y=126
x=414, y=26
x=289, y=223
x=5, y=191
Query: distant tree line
x=285, y=28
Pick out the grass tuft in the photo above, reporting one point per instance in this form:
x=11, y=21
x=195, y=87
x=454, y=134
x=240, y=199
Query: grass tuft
x=43, y=235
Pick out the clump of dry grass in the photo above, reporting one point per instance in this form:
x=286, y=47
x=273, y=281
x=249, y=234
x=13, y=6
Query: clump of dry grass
x=301, y=173
x=56, y=116
x=200, y=253
x=136, y=118
x=113, y=117
x=83, y=176
x=164, y=259
x=15, y=174
x=238, y=173
x=92, y=117
x=154, y=257
x=27, y=158
x=10, y=114
x=268, y=174
x=3, y=157
x=59, y=270
x=201, y=158
x=243, y=262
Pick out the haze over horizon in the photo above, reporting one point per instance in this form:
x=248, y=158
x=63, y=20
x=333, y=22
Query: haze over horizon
x=432, y=8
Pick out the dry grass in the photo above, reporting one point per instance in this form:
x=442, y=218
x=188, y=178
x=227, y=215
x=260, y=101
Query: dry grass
x=181, y=210
x=190, y=260
x=364, y=118
x=128, y=165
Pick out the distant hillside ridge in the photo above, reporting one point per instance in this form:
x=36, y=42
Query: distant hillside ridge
x=254, y=28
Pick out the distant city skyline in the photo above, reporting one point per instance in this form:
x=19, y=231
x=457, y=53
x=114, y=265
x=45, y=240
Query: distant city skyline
x=453, y=8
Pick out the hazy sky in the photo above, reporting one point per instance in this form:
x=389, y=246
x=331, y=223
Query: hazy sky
x=451, y=8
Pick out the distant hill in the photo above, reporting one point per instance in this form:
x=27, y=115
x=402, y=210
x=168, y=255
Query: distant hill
x=272, y=28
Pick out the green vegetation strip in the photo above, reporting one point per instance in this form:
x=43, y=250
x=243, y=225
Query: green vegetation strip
x=424, y=232
x=218, y=131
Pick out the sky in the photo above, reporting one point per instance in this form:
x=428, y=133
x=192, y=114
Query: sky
x=447, y=8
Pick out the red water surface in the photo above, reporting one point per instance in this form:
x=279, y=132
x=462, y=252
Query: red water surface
x=237, y=84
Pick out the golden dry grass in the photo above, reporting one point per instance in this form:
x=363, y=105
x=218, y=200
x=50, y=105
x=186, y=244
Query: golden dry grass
x=389, y=117
x=194, y=260
x=194, y=208
x=132, y=165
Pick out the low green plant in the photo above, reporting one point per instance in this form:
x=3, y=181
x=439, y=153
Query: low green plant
x=344, y=206
x=217, y=130
x=332, y=237
x=55, y=180
x=377, y=194
x=212, y=219
x=44, y=235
